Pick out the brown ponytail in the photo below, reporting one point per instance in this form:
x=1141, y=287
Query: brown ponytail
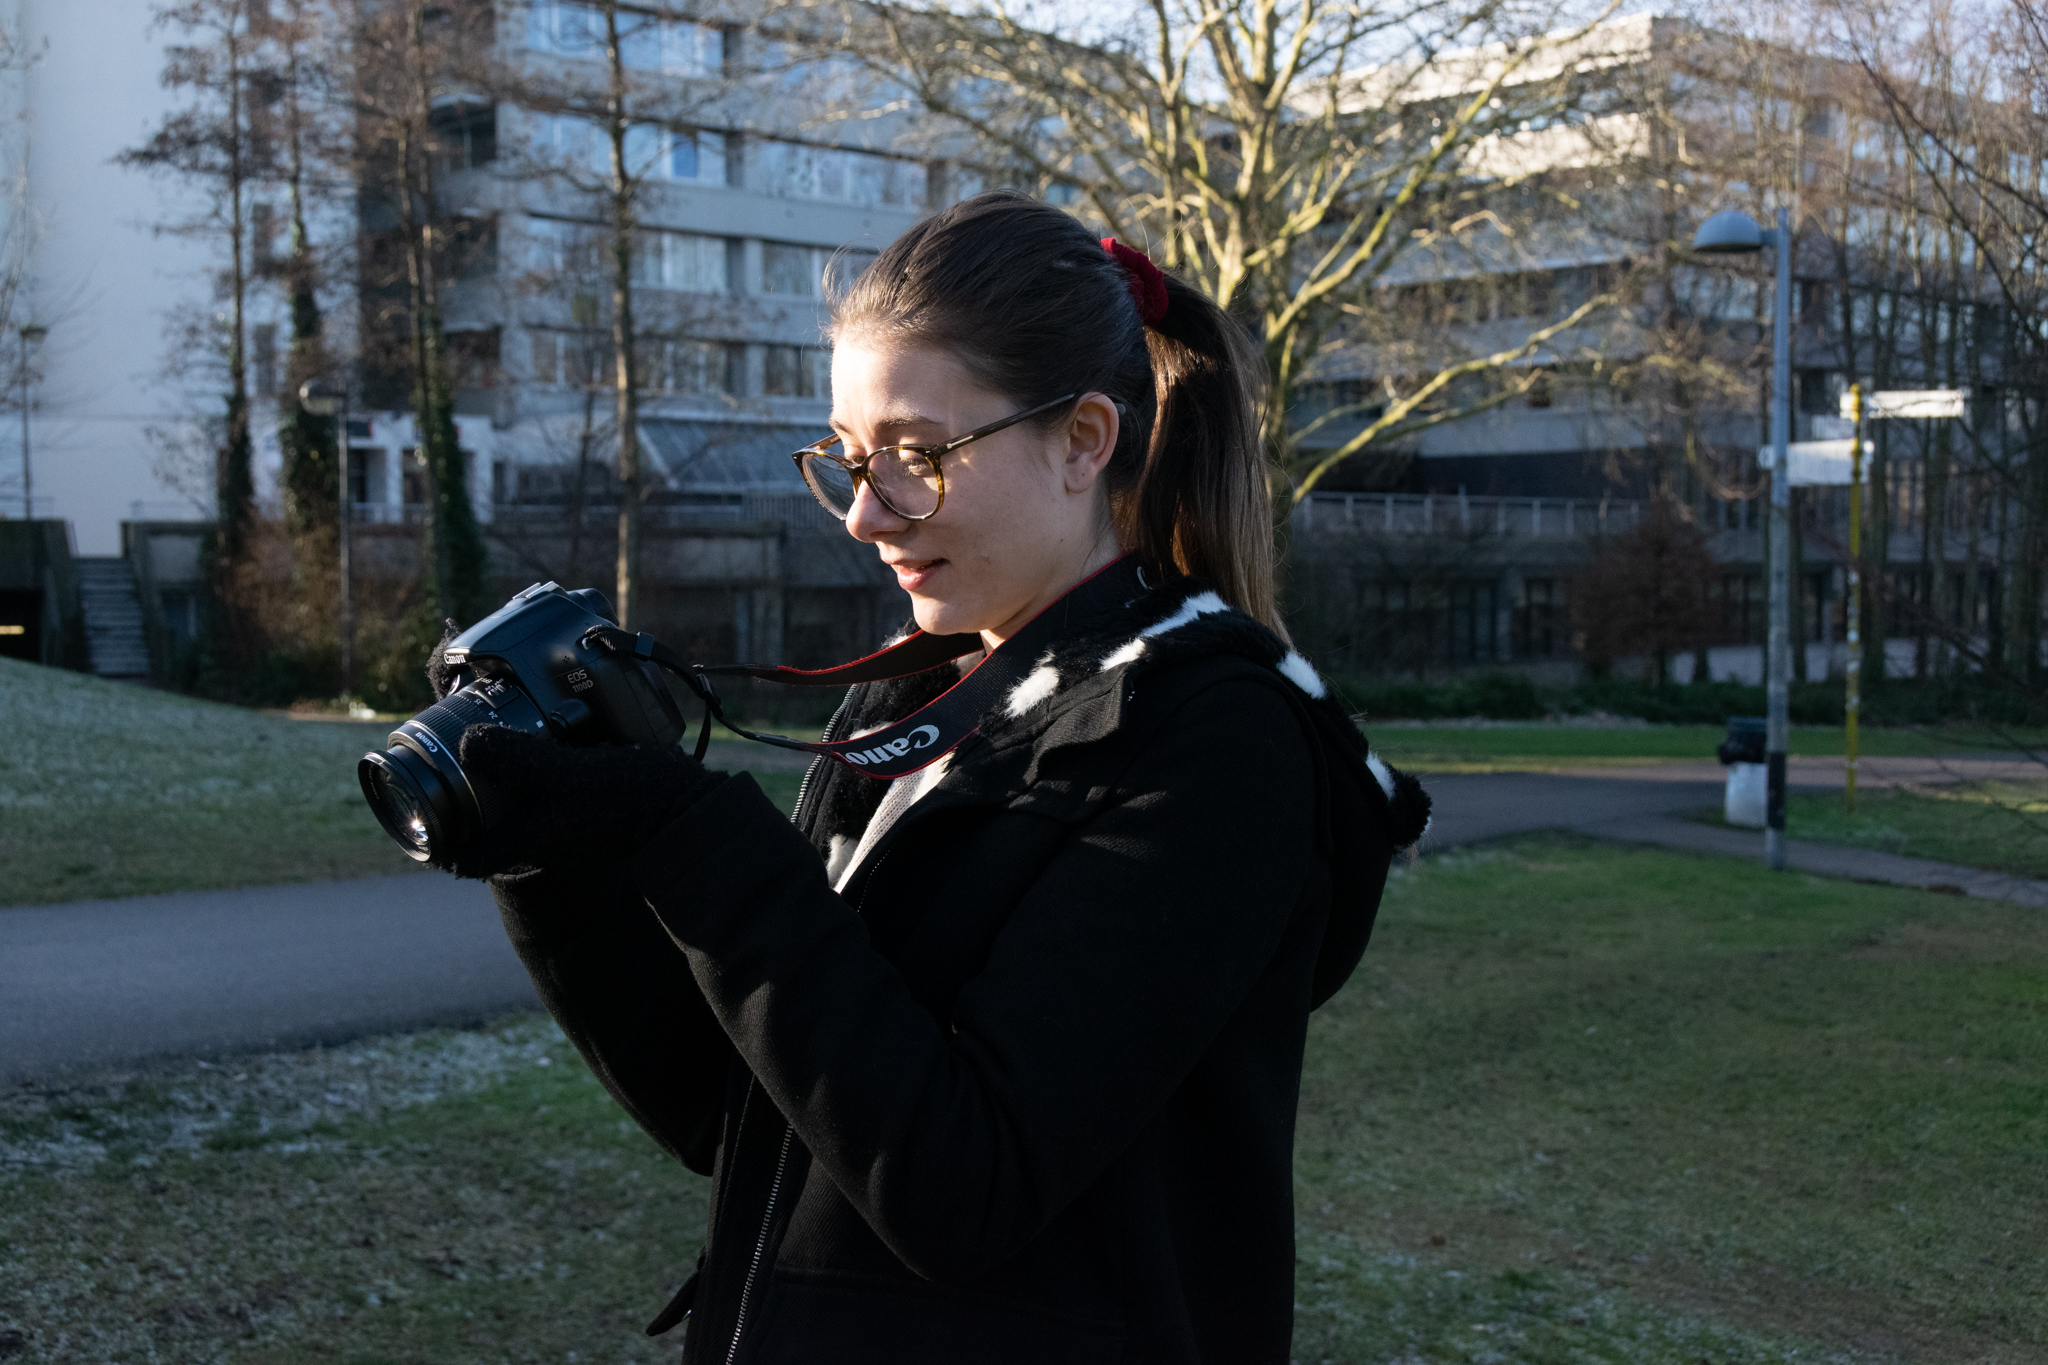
x=1034, y=307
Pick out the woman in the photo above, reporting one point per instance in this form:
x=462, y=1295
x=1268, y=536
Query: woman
x=996, y=1062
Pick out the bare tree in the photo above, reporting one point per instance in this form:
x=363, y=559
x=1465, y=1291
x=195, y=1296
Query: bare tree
x=296, y=90
x=1286, y=155
x=17, y=238
x=406, y=54
x=652, y=87
x=207, y=145
x=1963, y=182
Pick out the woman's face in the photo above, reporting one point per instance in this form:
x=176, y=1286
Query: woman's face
x=1025, y=516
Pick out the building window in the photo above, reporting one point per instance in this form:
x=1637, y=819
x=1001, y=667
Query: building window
x=646, y=43
x=792, y=270
x=793, y=371
x=806, y=272
x=1536, y=619
x=413, y=482
x=693, y=156
x=796, y=171
x=263, y=355
x=465, y=134
x=684, y=261
x=262, y=239
x=694, y=367
x=359, y=475
x=473, y=247
x=1472, y=623
x=473, y=358
x=562, y=250
x=579, y=359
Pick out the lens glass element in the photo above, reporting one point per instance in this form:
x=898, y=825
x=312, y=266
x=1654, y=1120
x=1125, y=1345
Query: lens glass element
x=400, y=788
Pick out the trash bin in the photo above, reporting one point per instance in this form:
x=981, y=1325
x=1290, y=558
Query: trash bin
x=1742, y=751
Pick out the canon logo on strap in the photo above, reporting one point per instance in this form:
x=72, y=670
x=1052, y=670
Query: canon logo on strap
x=923, y=737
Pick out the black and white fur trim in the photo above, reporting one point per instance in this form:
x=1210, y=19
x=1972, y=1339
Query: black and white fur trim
x=1178, y=621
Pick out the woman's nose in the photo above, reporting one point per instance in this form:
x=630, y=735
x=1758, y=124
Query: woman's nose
x=868, y=521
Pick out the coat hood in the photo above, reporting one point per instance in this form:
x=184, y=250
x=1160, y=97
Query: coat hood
x=1077, y=694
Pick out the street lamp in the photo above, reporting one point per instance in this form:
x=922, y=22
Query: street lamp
x=32, y=334
x=1728, y=233
x=325, y=398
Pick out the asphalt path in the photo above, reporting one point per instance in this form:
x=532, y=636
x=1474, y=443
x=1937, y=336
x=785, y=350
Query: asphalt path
x=97, y=984
x=1469, y=808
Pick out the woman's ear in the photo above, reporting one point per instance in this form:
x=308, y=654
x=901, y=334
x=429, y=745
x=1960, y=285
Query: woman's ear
x=1091, y=440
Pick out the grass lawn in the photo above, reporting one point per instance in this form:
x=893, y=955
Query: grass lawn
x=1999, y=825
x=1579, y=1104
x=1500, y=748
x=109, y=789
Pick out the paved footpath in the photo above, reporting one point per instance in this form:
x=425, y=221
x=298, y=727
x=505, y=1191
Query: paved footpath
x=1637, y=805
x=103, y=983
x=109, y=983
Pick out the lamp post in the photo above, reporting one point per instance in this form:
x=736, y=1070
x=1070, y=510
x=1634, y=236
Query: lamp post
x=32, y=334
x=1733, y=232
x=325, y=398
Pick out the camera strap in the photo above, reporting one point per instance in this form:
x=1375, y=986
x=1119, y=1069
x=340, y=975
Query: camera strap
x=933, y=730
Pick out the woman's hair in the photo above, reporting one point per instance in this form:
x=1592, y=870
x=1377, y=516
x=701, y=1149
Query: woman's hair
x=1035, y=308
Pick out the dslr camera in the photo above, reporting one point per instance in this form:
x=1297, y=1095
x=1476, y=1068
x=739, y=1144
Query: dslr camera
x=535, y=664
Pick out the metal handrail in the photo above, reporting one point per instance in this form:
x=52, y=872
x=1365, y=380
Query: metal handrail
x=1459, y=514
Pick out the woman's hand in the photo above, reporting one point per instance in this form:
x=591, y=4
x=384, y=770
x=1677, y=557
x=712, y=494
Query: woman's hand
x=591, y=805
x=440, y=673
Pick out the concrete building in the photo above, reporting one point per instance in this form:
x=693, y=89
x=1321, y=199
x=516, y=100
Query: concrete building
x=1650, y=399
x=96, y=273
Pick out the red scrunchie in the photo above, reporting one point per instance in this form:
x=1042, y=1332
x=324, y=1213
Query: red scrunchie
x=1147, y=283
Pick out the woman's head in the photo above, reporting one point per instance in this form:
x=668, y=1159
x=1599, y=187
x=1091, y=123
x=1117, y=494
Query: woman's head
x=996, y=306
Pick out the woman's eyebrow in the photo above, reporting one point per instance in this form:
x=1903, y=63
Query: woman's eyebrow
x=896, y=421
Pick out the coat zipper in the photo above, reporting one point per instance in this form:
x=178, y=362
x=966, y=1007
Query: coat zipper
x=760, y=1245
x=803, y=787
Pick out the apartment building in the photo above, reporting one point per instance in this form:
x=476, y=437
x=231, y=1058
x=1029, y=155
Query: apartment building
x=1667, y=394
x=742, y=221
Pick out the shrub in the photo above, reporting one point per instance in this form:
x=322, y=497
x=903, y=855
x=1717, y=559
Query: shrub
x=1491, y=696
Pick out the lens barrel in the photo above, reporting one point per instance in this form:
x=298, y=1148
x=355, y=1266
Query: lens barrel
x=417, y=786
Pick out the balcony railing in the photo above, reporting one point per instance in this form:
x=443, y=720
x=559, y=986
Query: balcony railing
x=1457, y=514
x=797, y=510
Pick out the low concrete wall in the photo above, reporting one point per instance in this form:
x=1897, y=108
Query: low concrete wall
x=37, y=574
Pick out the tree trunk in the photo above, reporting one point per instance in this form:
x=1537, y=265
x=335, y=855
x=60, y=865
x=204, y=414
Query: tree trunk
x=234, y=487
x=453, y=543
x=308, y=443
x=627, y=596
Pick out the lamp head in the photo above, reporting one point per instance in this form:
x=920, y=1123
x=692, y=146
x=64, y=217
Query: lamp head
x=321, y=397
x=1731, y=232
x=33, y=333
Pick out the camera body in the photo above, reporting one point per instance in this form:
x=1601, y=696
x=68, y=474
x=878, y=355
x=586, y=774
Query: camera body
x=526, y=667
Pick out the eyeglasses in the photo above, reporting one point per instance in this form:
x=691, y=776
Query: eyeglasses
x=905, y=479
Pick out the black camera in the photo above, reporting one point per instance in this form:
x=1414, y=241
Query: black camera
x=534, y=664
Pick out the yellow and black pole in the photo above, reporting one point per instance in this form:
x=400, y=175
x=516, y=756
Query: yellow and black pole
x=1854, y=705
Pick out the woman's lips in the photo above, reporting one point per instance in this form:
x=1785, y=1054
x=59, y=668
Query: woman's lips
x=914, y=575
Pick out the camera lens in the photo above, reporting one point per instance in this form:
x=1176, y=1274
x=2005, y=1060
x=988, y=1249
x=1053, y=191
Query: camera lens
x=417, y=787
x=412, y=801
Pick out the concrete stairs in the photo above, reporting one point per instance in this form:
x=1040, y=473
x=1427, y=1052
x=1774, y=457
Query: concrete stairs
x=113, y=618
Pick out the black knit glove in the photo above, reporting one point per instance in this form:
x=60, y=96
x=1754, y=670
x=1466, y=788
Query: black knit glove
x=440, y=673
x=587, y=806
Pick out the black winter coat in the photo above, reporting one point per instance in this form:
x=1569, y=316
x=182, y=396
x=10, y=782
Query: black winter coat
x=1025, y=1092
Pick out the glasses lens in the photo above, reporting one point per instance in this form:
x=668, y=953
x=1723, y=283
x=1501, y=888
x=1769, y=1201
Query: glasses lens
x=907, y=479
x=831, y=483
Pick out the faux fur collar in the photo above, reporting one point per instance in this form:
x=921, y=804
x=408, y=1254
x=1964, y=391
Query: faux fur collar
x=1099, y=660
